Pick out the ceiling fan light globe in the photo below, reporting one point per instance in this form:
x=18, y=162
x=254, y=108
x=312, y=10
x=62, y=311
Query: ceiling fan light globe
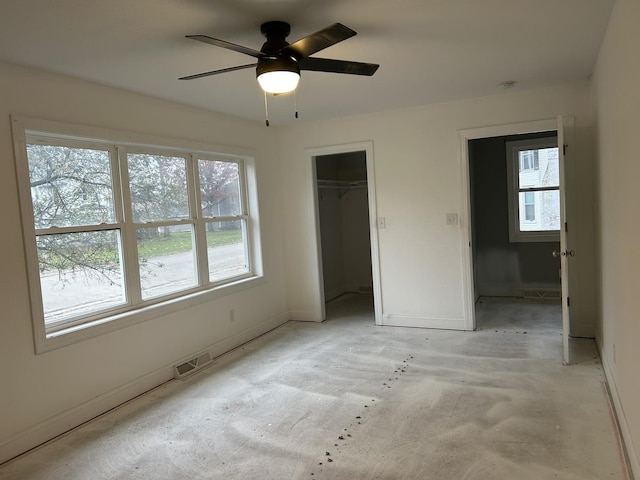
x=278, y=81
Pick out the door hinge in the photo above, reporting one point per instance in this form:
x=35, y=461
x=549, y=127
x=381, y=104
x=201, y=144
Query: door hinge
x=564, y=149
x=568, y=301
x=566, y=227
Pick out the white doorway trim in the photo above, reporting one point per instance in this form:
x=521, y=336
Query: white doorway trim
x=465, y=215
x=310, y=156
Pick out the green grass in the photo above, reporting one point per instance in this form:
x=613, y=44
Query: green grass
x=63, y=257
x=181, y=242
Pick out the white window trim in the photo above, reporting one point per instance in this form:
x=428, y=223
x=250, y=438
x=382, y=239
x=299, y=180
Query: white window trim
x=49, y=340
x=515, y=234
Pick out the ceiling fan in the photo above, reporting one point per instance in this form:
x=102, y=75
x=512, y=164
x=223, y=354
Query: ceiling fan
x=279, y=63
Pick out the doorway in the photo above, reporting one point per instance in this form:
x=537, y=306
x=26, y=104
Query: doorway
x=509, y=261
x=562, y=125
x=515, y=223
x=347, y=240
x=343, y=210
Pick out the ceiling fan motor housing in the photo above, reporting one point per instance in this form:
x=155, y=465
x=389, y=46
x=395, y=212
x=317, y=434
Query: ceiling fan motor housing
x=276, y=59
x=281, y=63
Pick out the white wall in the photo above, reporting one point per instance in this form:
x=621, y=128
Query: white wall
x=331, y=236
x=616, y=103
x=418, y=181
x=45, y=394
x=344, y=232
x=355, y=240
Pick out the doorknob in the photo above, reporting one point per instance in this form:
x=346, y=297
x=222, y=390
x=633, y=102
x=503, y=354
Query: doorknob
x=566, y=253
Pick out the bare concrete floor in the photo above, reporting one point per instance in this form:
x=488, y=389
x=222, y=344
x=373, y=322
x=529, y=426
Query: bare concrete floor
x=348, y=400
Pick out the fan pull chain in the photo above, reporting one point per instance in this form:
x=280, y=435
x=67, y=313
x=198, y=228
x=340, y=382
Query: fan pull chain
x=266, y=109
x=295, y=103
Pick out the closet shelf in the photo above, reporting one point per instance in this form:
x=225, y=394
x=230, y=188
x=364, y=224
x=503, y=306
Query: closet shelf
x=343, y=186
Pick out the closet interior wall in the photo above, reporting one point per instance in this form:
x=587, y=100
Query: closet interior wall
x=344, y=223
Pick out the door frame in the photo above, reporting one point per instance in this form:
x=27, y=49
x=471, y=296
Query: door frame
x=310, y=157
x=464, y=136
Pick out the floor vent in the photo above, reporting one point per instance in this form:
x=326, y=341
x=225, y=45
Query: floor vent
x=542, y=294
x=191, y=366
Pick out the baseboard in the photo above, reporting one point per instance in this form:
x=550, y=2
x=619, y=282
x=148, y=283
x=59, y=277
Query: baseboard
x=42, y=432
x=304, y=316
x=334, y=293
x=359, y=288
x=499, y=291
x=229, y=343
x=537, y=292
x=453, y=323
x=630, y=451
x=57, y=425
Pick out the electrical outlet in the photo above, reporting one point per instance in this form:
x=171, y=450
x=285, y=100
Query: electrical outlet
x=382, y=222
x=451, y=219
x=232, y=315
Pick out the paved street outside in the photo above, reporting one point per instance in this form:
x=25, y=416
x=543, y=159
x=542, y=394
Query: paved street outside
x=76, y=292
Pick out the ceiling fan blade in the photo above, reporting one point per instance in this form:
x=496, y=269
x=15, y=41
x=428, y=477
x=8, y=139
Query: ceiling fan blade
x=320, y=40
x=215, y=72
x=337, y=66
x=227, y=45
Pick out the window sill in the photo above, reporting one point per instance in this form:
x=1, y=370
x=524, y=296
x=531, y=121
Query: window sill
x=533, y=237
x=78, y=333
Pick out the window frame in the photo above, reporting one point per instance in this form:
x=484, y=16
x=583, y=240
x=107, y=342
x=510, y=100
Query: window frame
x=48, y=336
x=513, y=188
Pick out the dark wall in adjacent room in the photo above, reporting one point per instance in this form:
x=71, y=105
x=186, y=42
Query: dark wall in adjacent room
x=503, y=268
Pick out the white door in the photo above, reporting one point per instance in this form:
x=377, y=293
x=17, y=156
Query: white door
x=565, y=253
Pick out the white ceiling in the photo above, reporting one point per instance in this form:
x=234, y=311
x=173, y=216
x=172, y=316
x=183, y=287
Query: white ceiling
x=429, y=50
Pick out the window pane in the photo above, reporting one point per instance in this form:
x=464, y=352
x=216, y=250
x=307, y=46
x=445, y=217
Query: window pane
x=220, y=188
x=158, y=187
x=167, y=260
x=548, y=210
x=226, y=249
x=80, y=273
x=542, y=168
x=70, y=186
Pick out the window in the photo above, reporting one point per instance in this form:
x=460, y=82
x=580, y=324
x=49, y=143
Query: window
x=112, y=228
x=530, y=206
x=529, y=160
x=534, y=190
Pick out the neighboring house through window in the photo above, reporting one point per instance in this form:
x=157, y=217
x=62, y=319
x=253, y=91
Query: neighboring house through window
x=529, y=160
x=533, y=172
